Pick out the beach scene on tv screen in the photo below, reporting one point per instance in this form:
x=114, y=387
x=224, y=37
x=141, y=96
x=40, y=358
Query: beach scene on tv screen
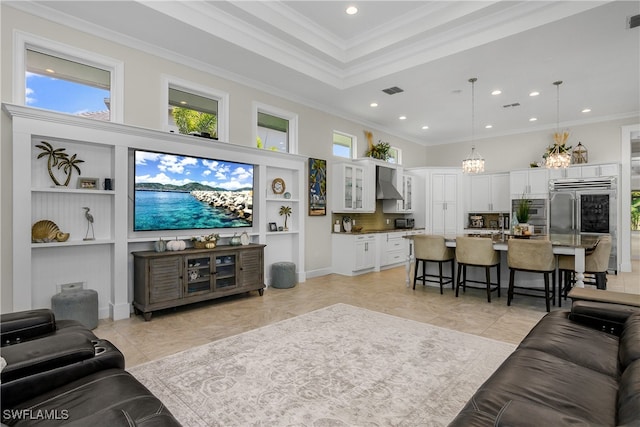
x=174, y=192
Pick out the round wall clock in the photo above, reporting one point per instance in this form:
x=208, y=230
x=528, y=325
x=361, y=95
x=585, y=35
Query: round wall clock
x=278, y=186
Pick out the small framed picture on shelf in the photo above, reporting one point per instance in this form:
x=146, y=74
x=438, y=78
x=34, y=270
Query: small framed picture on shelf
x=88, y=183
x=273, y=226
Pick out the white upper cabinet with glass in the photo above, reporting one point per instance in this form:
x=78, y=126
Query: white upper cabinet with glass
x=404, y=184
x=353, y=188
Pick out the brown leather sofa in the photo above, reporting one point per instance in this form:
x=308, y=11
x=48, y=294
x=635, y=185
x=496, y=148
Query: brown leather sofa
x=60, y=373
x=575, y=368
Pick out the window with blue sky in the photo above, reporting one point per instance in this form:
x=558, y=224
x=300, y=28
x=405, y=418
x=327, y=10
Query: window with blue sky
x=66, y=86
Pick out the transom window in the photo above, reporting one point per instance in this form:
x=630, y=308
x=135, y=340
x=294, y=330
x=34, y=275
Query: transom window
x=344, y=145
x=276, y=129
x=190, y=113
x=273, y=132
x=195, y=109
x=395, y=155
x=67, y=86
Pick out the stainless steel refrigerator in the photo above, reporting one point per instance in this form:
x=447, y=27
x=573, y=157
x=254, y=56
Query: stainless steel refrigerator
x=585, y=206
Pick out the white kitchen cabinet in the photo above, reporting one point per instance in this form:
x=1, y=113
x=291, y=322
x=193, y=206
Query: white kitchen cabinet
x=533, y=183
x=353, y=188
x=394, y=248
x=596, y=171
x=489, y=193
x=444, y=203
x=405, y=185
x=586, y=171
x=353, y=254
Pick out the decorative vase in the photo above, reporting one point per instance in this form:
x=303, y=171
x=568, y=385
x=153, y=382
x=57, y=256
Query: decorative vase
x=160, y=246
x=235, y=240
x=244, y=238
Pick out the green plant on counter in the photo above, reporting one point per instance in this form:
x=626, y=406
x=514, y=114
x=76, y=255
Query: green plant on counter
x=522, y=211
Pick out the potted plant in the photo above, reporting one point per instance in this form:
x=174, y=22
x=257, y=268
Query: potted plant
x=379, y=151
x=522, y=210
x=286, y=211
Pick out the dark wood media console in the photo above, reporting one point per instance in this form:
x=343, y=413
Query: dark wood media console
x=170, y=279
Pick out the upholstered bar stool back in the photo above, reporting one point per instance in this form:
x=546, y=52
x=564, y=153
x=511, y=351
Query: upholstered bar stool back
x=477, y=252
x=533, y=256
x=596, y=263
x=430, y=248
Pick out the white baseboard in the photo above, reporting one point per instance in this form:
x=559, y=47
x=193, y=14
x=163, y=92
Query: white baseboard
x=318, y=273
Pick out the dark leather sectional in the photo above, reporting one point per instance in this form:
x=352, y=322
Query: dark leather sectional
x=578, y=368
x=60, y=373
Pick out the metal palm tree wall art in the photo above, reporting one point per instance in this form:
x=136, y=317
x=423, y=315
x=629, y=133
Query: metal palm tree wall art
x=59, y=159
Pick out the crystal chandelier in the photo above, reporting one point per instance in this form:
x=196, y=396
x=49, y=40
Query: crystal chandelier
x=559, y=156
x=474, y=163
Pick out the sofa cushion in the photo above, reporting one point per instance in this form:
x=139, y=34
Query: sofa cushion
x=25, y=325
x=544, y=379
x=527, y=414
x=105, y=398
x=630, y=341
x=556, y=334
x=32, y=357
x=629, y=396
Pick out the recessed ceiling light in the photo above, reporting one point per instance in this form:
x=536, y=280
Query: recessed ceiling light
x=425, y=127
x=586, y=110
x=402, y=118
x=488, y=126
x=496, y=92
x=373, y=104
x=534, y=93
x=351, y=10
x=533, y=119
x=49, y=70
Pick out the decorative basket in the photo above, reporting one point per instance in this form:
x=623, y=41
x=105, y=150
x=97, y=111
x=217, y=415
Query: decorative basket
x=199, y=245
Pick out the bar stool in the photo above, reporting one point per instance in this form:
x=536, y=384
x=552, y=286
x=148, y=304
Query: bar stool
x=533, y=256
x=596, y=263
x=429, y=248
x=477, y=252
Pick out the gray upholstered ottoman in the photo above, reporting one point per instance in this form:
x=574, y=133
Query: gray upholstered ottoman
x=80, y=305
x=283, y=275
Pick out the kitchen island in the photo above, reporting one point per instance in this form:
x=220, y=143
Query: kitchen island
x=563, y=244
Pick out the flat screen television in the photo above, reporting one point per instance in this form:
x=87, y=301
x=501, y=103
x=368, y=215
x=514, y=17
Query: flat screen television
x=177, y=192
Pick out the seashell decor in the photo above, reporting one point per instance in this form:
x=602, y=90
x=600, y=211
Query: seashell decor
x=46, y=231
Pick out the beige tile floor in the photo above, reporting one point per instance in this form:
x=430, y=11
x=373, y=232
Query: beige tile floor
x=174, y=330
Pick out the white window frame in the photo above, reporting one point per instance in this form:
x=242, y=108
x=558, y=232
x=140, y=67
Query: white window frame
x=354, y=144
x=399, y=151
x=23, y=41
x=292, y=136
x=200, y=90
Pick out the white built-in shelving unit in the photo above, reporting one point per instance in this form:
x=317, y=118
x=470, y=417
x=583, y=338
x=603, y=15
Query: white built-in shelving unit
x=105, y=264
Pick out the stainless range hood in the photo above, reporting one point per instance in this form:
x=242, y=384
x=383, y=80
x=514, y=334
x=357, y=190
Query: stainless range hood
x=385, y=188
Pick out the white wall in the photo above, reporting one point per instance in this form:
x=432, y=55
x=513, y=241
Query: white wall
x=517, y=151
x=143, y=107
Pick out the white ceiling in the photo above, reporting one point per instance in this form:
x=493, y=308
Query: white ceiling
x=312, y=52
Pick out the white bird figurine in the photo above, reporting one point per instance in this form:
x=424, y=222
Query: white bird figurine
x=89, y=218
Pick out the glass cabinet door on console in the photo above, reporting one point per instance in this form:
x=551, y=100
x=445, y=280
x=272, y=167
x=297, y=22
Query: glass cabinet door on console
x=198, y=274
x=226, y=271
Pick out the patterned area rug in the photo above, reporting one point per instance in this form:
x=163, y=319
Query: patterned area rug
x=338, y=366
